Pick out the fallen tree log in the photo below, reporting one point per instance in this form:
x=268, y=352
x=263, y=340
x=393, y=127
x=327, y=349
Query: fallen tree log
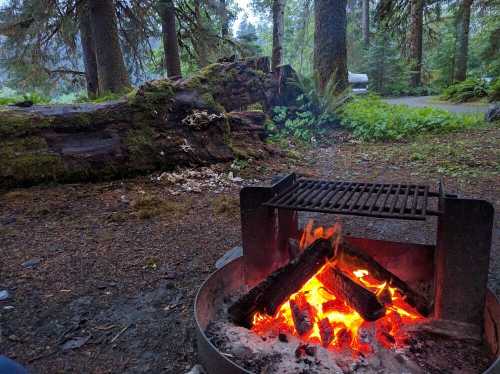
x=356, y=296
x=350, y=256
x=164, y=124
x=268, y=295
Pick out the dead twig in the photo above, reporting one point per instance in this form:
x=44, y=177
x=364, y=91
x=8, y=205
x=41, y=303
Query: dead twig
x=120, y=333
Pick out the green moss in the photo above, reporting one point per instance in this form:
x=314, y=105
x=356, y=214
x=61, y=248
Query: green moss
x=208, y=98
x=139, y=140
x=30, y=168
x=18, y=124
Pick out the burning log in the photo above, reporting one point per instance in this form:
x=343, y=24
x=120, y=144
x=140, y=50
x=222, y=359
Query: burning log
x=326, y=332
x=351, y=256
x=274, y=290
x=356, y=296
x=302, y=314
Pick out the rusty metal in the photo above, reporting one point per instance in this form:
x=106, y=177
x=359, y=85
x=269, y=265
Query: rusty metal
x=401, y=201
x=265, y=231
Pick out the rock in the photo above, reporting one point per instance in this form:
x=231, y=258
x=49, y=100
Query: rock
x=75, y=342
x=4, y=295
x=493, y=113
x=31, y=264
x=196, y=369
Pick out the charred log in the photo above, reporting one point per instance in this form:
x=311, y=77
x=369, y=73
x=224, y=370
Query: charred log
x=326, y=332
x=267, y=296
x=356, y=296
x=352, y=256
x=302, y=314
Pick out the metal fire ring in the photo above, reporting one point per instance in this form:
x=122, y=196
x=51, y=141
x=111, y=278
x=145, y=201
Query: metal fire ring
x=219, y=284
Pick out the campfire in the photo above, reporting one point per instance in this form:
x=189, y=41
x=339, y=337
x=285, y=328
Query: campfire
x=337, y=303
x=316, y=301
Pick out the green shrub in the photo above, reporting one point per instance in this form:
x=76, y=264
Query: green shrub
x=494, y=94
x=468, y=90
x=310, y=115
x=13, y=98
x=372, y=119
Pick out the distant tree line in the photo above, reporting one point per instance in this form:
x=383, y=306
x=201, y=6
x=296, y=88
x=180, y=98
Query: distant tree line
x=112, y=44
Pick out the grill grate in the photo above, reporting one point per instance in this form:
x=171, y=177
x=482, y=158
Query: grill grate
x=402, y=201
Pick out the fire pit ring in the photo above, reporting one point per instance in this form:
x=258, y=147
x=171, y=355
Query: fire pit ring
x=223, y=282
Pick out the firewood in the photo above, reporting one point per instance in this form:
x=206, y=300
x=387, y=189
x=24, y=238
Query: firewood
x=352, y=256
x=302, y=314
x=344, y=338
x=356, y=296
x=325, y=332
x=268, y=295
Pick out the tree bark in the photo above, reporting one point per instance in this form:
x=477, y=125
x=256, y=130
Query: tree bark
x=278, y=33
x=416, y=27
x=200, y=40
x=224, y=18
x=170, y=43
x=462, y=43
x=113, y=75
x=88, y=49
x=366, y=22
x=330, y=51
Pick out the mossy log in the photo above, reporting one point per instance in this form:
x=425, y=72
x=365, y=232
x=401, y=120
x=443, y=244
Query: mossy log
x=164, y=124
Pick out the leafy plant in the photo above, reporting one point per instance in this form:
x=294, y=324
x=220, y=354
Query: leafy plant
x=12, y=98
x=468, y=90
x=372, y=119
x=312, y=113
x=494, y=94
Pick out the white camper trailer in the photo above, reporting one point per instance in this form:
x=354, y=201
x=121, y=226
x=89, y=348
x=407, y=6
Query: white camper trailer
x=358, y=82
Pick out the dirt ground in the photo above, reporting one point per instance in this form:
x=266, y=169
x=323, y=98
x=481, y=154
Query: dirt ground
x=101, y=277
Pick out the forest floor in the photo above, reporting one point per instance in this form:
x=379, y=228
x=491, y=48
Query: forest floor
x=101, y=277
x=435, y=102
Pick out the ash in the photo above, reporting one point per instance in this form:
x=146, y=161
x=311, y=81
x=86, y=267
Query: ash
x=426, y=352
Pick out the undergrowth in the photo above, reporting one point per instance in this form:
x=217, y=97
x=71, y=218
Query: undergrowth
x=372, y=119
x=468, y=90
x=33, y=97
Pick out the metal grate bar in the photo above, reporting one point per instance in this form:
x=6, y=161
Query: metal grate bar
x=354, y=198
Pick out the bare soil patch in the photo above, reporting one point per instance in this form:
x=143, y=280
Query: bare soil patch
x=115, y=266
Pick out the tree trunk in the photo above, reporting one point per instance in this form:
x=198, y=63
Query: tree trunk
x=366, y=23
x=330, y=51
x=170, y=44
x=462, y=44
x=278, y=33
x=417, y=17
x=224, y=18
x=113, y=76
x=199, y=39
x=164, y=125
x=88, y=49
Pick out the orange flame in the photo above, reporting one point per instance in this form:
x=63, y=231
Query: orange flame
x=335, y=324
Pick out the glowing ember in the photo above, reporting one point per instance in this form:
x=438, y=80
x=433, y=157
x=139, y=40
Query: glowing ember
x=317, y=316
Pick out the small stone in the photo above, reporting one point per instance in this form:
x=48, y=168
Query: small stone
x=282, y=337
x=196, y=369
x=31, y=264
x=4, y=295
